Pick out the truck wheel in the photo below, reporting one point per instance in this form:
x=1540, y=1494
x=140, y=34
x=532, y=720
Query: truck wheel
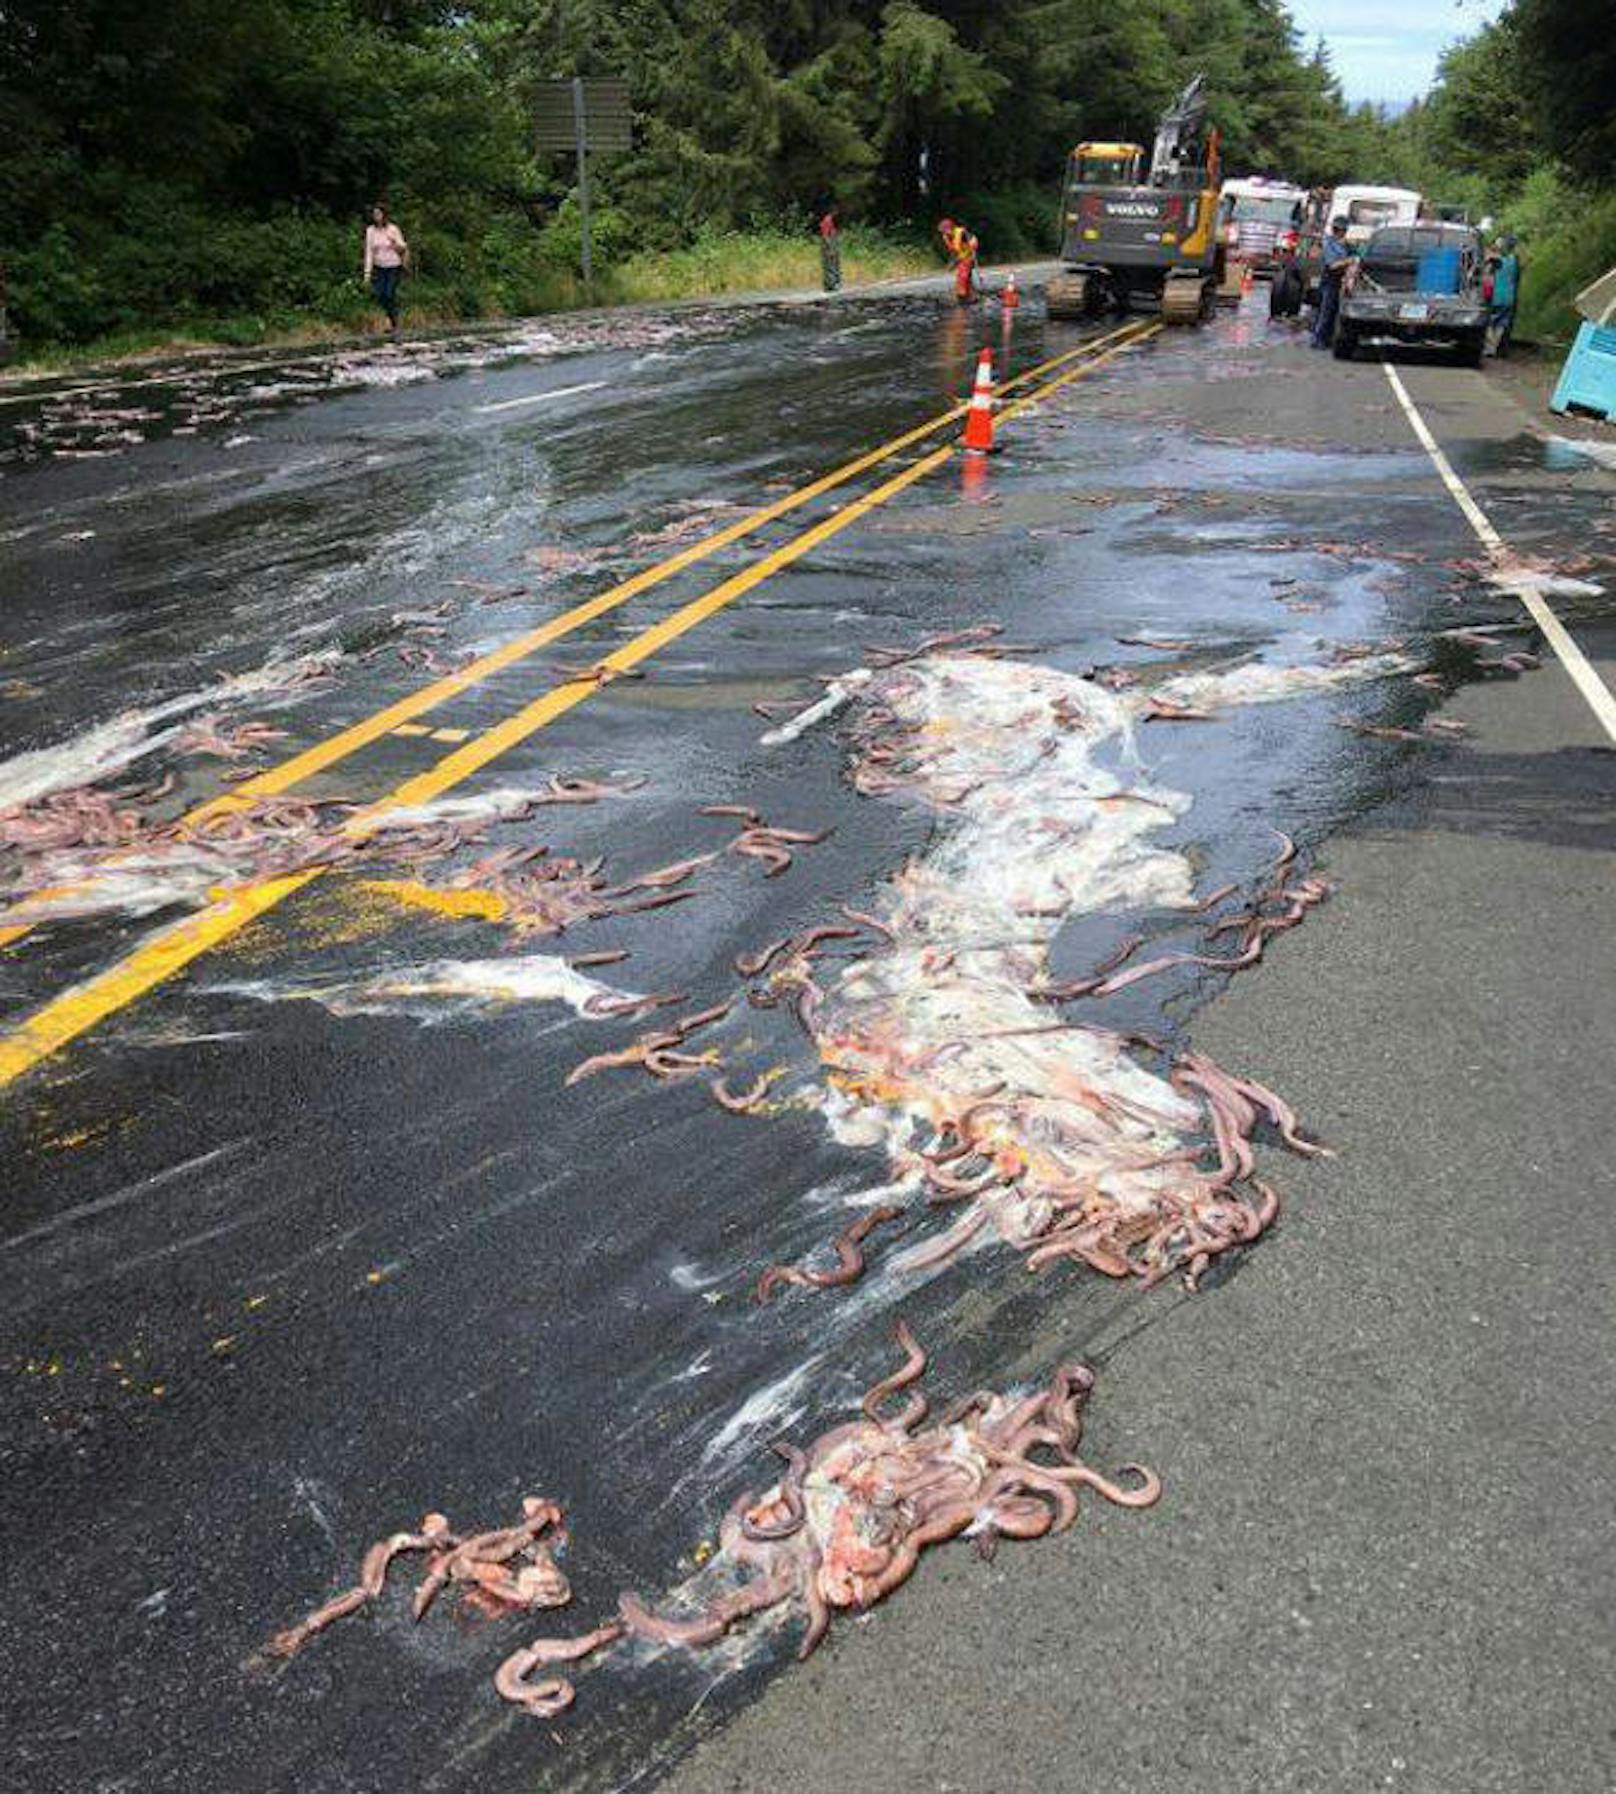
x=1285, y=294
x=1472, y=348
x=1345, y=345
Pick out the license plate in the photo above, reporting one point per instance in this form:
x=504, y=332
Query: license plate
x=1414, y=313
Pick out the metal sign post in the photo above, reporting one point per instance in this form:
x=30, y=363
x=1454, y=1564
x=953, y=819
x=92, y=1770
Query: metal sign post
x=580, y=126
x=588, y=117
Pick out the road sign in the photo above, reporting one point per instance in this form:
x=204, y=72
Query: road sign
x=590, y=117
x=607, y=115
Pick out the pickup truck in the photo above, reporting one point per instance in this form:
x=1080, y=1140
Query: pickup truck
x=1418, y=284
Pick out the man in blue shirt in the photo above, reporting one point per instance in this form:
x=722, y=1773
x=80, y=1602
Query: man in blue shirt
x=1337, y=258
x=1506, y=269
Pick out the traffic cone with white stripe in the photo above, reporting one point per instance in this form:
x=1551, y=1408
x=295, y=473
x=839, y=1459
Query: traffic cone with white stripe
x=1010, y=298
x=979, y=416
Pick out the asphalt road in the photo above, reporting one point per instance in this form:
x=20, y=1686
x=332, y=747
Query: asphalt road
x=312, y=1236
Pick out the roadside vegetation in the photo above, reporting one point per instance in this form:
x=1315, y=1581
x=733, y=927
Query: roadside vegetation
x=195, y=169
x=449, y=288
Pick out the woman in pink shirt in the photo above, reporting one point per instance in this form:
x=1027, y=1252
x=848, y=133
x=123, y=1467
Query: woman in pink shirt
x=387, y=255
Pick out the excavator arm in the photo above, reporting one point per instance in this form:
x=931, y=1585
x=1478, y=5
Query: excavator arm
x=1176, y=133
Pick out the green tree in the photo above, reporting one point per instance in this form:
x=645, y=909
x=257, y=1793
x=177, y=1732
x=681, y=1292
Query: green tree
x=1479, y=120
x=1569, y=54
x=930, y=88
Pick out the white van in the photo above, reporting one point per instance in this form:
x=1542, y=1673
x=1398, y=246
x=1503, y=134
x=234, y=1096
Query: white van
x=1367, y=209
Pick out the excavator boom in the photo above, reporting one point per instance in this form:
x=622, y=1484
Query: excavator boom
x=1179, y=127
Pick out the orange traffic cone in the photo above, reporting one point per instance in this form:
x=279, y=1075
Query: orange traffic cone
x=1247, y=279
x=979, y=418
x=1010, y=298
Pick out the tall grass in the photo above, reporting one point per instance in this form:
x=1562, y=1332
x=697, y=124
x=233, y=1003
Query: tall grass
x=758, y=261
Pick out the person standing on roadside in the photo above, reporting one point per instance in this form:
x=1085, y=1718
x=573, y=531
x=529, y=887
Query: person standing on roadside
x=830, y=249
x=1506, y=293
x=387, y=256
x=1337, y=258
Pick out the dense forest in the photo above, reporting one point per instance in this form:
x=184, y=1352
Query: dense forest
x=204, y=164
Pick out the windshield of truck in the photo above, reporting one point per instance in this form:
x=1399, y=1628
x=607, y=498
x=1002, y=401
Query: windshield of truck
x=1374, y=212
x=1250, y=209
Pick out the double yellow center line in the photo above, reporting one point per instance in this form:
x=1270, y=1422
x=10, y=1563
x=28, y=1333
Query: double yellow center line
x=171, y=949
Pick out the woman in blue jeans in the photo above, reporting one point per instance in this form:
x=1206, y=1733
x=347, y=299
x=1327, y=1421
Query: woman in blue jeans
x=387, y=255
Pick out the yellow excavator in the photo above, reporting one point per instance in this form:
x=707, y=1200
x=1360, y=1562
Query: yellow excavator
x=1132, y=238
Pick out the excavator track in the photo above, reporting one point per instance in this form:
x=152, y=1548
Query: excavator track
x=1068, y=295
x=1183, y=301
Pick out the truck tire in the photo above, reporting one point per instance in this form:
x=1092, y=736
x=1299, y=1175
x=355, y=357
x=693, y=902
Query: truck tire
x=1345, y=345
x=1471, y=349
x=1285, y=294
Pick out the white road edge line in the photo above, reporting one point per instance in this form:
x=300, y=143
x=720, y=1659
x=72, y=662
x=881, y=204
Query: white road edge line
x=1572, y=658
x=538, y=398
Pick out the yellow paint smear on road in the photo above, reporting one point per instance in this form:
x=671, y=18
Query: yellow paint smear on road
x=479, y=905
x=169, y=951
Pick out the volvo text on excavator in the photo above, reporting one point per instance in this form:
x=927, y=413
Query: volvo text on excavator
x=1131, y=242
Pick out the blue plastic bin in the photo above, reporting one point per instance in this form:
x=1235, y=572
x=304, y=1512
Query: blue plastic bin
x=1437, y=271
x=1588, y=379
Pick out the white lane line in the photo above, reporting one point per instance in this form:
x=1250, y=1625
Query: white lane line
x=1518, y=582
x=538, y=398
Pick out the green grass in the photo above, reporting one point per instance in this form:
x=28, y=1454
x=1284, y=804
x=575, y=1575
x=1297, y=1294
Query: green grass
x=760, y=262
x=757, y=261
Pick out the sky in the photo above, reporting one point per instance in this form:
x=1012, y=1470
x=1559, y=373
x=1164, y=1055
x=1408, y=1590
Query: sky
x=1386, y=50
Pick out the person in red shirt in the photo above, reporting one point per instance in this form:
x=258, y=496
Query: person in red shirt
x=830, y=249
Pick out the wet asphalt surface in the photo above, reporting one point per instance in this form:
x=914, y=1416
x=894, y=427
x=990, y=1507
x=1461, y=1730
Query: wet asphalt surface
x=276, y=1280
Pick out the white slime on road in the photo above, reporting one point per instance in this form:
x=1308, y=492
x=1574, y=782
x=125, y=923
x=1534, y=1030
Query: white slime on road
x=938, y=1038
x=442, y=987
x=106, y=749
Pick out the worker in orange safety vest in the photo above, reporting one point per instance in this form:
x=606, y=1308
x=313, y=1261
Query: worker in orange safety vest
x=960, y=245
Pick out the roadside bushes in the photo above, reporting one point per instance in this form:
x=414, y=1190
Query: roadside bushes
x=174, y=269
x=152, y=256
x=1568, y=238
